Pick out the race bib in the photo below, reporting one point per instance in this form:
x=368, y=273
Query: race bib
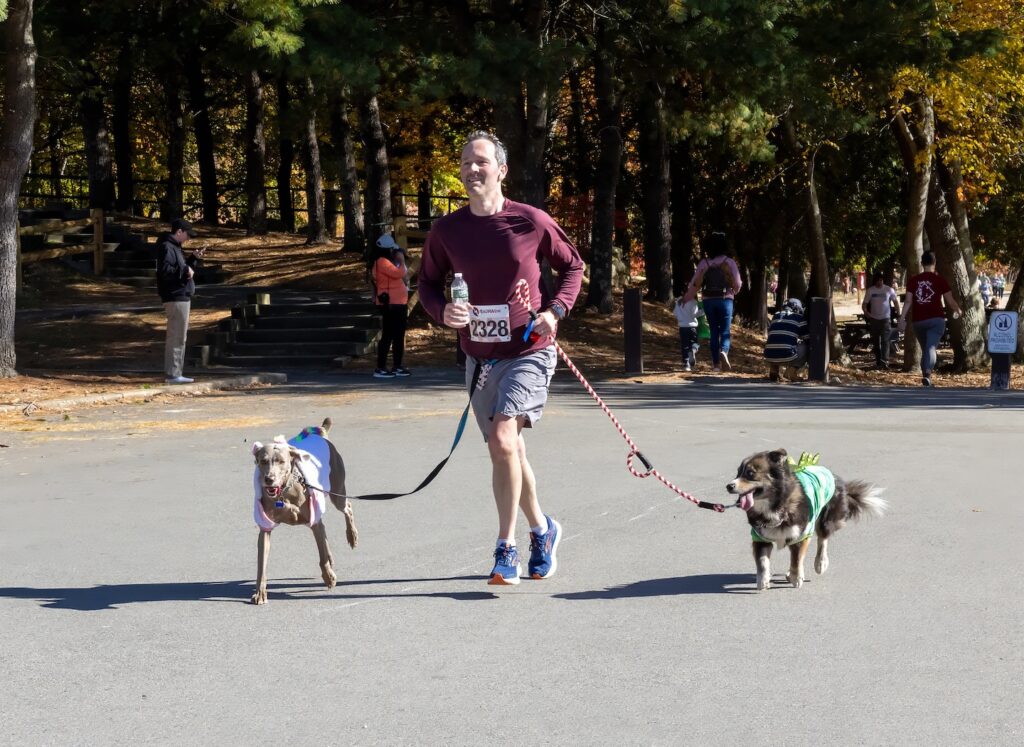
x=489, y=323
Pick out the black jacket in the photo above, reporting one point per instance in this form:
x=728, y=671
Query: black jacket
x=172, y=278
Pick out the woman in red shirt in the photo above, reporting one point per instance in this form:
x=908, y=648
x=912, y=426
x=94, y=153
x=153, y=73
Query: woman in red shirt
x=925, y=294
x=389, y=274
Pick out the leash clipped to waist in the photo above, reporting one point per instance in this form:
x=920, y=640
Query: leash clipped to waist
x=522, y=291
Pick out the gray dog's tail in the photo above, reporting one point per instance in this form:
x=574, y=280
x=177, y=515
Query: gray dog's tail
x=865, y=499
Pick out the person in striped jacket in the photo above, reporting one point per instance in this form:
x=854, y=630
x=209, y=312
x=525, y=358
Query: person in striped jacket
x=786, y=345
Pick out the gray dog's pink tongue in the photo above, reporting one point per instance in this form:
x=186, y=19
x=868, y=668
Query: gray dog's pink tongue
x=746, y=501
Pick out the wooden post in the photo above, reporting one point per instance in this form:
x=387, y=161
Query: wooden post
x=817, y=354
x=401, y=233
x=97, y=240
x=1000, y=379
x=632, y=330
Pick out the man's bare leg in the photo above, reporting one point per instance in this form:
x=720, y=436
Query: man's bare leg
x=512, y=478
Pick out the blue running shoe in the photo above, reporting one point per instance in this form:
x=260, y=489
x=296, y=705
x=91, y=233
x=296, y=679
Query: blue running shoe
x=543, y=561
x=506, y=566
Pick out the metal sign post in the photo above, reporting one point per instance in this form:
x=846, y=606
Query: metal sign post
x=1002, y=344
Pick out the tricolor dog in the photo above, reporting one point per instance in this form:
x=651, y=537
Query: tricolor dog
x=787, y=502
x=292, y=481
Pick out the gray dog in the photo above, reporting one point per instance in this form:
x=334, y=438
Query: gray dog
x=292, y=482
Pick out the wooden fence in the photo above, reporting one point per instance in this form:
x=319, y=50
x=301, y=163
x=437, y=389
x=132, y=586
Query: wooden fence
x=48, y=226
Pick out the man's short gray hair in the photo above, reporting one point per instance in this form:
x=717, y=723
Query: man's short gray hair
x=500, y=151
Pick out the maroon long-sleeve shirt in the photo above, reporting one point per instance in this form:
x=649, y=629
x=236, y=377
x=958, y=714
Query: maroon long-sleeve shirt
x=493, y=252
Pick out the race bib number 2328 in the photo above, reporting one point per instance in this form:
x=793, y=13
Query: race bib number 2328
x=489, y=323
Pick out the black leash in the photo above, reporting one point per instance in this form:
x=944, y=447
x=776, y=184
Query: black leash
x=434, y=472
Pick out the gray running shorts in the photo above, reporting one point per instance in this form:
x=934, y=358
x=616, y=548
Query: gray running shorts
x=516, y=387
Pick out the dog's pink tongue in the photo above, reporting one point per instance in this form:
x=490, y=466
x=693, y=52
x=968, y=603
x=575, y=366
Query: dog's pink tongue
x=746, y=501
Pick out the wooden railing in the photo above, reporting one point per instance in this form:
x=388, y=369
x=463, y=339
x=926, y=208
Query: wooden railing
x=54, y=225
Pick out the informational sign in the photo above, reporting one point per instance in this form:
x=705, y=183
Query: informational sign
x=1002, y=332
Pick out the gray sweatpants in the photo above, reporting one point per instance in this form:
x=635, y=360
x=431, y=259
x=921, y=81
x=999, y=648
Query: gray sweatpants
x=177, y=331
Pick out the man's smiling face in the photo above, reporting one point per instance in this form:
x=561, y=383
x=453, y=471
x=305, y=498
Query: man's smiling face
x=480, y=172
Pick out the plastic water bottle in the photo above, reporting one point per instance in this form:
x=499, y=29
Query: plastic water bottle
x=460, y=290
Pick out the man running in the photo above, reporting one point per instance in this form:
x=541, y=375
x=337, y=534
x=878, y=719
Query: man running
x=494, y=243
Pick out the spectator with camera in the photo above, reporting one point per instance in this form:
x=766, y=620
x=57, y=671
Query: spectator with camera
x=392, y=297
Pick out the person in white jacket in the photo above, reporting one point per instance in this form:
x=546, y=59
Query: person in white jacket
x=687, y=313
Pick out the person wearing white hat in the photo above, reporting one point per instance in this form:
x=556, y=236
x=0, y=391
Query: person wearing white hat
x=392, y=298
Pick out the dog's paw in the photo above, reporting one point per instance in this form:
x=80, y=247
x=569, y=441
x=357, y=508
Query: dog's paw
x=821, y=564
x=764, y=583
x=259, y=597
x=328, y=575
x=797, y=579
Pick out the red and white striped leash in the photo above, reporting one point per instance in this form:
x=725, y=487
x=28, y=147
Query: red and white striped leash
x=522, y=291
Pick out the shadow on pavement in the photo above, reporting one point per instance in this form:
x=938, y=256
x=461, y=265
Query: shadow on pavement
x=113, y=596
x=712, y=583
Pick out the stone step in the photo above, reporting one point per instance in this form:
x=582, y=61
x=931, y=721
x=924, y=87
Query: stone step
x=276, y=349
x=136, y=281
x=280, y=361
x=318, y=308
x=130, y=272
x=300, y=335
x=307, y=321
x=119, y=259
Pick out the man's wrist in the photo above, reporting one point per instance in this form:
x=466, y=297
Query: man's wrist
x=558, y=309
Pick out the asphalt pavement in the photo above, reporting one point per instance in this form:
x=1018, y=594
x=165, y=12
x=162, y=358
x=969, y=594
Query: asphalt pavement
x=128, y=554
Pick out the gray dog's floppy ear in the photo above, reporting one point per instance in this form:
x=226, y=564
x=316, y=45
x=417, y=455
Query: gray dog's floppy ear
x=256, y=446
x=297, y=454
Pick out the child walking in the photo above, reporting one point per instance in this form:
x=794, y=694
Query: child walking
x=688, y=314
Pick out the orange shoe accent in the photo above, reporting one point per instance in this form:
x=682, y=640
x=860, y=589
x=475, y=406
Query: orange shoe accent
x=498, y=580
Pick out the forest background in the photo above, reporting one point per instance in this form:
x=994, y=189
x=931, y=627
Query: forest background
x=820, y=135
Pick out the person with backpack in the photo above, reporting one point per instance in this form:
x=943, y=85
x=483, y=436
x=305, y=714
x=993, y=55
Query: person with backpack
x=718, y=280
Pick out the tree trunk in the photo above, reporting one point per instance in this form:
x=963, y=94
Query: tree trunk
x=606, y=177
x=351, y=200
x=203, y=131
x=378, y=180
x=124, y=146
x=423, y=204
x=286, y=150
x=57, y=161
x=255, y=157
x=683, y=255
x=316, y=231
x=820, y=286
x=16, y=132
x=522, y=112
x=579, y=176
x=657, y=180
x=174, y=197
x=915, y=146
x=1015, y=302
x=967, y=334
x=97, y=143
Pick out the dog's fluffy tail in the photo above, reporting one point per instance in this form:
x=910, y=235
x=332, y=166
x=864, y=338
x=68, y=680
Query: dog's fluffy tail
x=865, y=499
